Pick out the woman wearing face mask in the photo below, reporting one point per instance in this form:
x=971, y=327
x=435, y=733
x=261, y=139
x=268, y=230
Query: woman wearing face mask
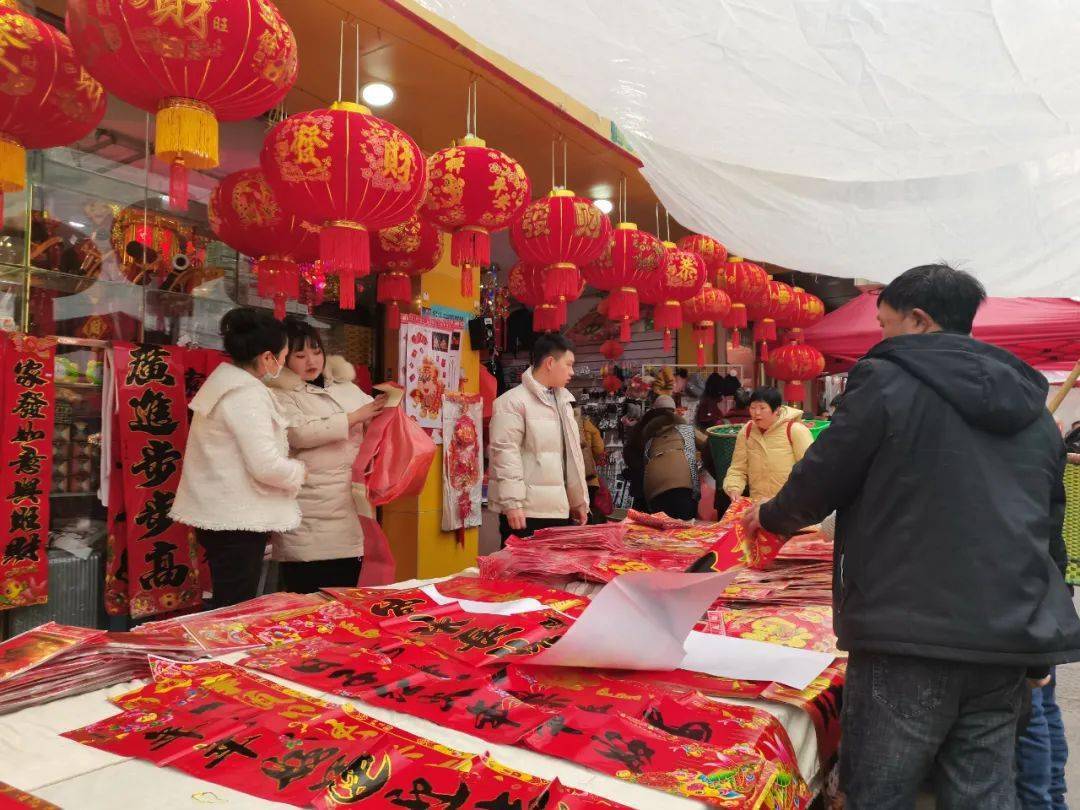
x=327, y=414
x=238, y=483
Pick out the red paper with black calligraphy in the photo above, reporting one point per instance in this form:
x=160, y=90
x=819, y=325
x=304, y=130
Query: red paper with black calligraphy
x=163, y=566
x=28, y=400
x=117, y=595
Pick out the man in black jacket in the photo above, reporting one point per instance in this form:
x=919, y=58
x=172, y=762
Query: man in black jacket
x=945, y=469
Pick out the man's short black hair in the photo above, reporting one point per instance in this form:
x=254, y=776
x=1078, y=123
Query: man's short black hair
x=949, y=296
x=549, y=345
x=770, y=396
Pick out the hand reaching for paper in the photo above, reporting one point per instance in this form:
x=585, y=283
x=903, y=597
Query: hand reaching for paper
x=364, y=414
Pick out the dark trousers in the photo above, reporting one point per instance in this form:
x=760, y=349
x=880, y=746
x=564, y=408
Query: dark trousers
x=675, y=503
x=905, y=719
x=308, y=577
x=531, y=525
x=235, y=559
x=1041, y=754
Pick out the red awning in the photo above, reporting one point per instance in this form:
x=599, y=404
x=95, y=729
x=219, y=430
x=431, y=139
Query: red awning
x=1045, y=332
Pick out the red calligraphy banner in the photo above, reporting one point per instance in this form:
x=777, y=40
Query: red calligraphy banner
x=117, y=597
x=27, y=399
x=162, y=558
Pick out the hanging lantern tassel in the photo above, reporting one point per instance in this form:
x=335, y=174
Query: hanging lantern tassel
x=178, y=185
x=279, y=305
x=795, y=391
x=705, y=336
x=470, y=245
x=12, y=169
x=667, y=341
x=546, y=318
x=343, y=248
x=667, y=316
x=561, y=279
x=467, y=290
x=391, y=289
x=764, y=351
x=186, y=137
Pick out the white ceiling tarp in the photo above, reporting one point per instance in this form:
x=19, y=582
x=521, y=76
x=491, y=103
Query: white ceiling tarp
x=848, y=137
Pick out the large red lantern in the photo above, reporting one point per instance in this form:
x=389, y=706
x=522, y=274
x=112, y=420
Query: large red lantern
x=526, y=284
x=746, y=283
x=711, y=251
x=682, y=277
x=704, y=311
x=47, y=98
x=767, y=311
x=561, y=233
x=805, y=311
x=245, y=214
x=630, y=262
x=350, y=172
x=192, y=63
x=795, y=364
x=473, y=191
x=399, y=253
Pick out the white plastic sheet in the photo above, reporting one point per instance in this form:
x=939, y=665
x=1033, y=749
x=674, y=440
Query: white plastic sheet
x=848, y=137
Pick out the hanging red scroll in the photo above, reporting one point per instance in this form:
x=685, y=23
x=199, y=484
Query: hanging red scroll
x=28, y=399
x=162, y=563
x=463, y=462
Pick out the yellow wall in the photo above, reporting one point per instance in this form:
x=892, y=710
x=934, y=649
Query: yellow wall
x=413, y=525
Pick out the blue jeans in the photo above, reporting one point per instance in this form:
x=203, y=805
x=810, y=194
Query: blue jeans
x=1041, y=752
x=906, y=719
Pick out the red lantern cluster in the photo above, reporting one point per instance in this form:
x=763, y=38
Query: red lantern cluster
x=526, y=284
x=704, y=311
x=631, y=261
x=795, y=364
x=681, y=278
x=747, y=284
x=398, y=254
x=246, y=215
x=473, y=191
x=805, y=311
x=767, y=312
x=711, y=251
x=350, y=172
x=191, y=62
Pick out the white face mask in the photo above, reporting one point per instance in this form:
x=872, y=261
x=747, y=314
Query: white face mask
x=271, y=376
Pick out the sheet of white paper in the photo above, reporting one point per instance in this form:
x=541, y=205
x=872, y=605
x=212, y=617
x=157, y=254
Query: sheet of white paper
x=510, y=608
x=638, y=621
x=745, y=660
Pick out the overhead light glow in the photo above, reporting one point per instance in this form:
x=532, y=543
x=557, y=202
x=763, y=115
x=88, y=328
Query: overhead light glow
x=377, y=94
x=604, y=205
x=74, y=224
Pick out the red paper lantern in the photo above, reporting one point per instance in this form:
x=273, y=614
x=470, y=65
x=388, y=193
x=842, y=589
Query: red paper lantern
x=746, y=284
x=805, y=311
x=631, y=260
x=47, y=98
x=711, y=251
x=352, y=173
x=192, y=63
x=682, y=277
x=526, y=284
x=767, y=311
x=246, y=215
x=399, y=253
x=473, y=191
x=704, y=311
x=795, y=364
x=611, y=349
x=561, y=233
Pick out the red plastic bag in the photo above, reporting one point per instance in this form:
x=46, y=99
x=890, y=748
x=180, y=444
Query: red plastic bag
x=379, y=566
x=394, y=457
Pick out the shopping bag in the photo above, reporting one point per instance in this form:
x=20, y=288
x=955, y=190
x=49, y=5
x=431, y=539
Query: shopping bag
x=394, y=457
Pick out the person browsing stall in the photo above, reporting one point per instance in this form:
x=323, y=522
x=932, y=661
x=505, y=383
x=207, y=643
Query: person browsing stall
x=772, y=442
x=239, y=484
x=537, y=473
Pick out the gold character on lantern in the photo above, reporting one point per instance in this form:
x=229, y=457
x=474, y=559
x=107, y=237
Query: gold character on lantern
x=254, y=202
x=397, y=159
x=193, y=15
x=586, y=220
x=16, y=32
x=682, y=273
x=305, y=163
x=535, y=222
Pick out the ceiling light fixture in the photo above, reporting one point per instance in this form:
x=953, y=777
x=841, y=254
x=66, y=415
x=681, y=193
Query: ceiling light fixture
x=604, y=205
x=377, y=94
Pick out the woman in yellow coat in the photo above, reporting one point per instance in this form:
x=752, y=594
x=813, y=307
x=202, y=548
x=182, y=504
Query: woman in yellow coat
x=773, y=442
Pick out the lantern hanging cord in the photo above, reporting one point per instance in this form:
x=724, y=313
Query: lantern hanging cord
x=356, y=25
x=565, y=160
x=341, y=61
x=658, y=221
x=667, y=220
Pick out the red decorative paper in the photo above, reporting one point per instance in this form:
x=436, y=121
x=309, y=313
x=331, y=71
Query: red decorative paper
x=822, y=701
x=27, y=398
x=163, y=564
x=561, y=797
x=808, y=627
x=11, y=798
x=34, y=647
x=463, y=461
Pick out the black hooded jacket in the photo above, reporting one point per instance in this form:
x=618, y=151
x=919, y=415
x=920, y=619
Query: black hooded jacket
x=946, y=472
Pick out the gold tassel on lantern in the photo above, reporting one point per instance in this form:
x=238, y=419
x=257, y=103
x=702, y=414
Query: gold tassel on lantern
x=186, y=138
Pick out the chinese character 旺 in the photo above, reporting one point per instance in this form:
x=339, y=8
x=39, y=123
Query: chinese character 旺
x=155, y=514
x=149, y=364
x=445, y=700
x=152, y=414
x=494, y=715
x=431, y=626
x=24, y=547
x=166, y=572
x=296, y=764
x=26, y=489
x=223, y=749
x=28, y=373
x=422, y=791
x=28, y=461
x=477, y=638
x=27, y=433
x=395, y=606
x=25, y=519
x=161, y=737
x=159, y=462
x=635, y=754
x=30, y=405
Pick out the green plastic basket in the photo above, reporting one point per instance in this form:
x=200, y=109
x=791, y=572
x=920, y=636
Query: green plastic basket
x=722, y=442
x=1072, y=522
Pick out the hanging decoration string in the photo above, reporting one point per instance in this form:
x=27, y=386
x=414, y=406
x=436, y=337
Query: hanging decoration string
x=341, y=62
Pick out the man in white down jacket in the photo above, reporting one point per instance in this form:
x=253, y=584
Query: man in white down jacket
x=537, y=473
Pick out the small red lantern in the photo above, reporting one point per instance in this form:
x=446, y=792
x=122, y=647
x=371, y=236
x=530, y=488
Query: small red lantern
x=399, y=253
x=47, y=98
x=682, y=278
x=526, y=284
x=631, y=260
x=767, y=311
x=704, y=311
x=192, y=62
x=805, y=311
x=245, y=214
x=561, y=233
x=795, y=364
x=711, y=251
x=473, y=191
x=746, y=283
x=611, y=349
x=352, y=173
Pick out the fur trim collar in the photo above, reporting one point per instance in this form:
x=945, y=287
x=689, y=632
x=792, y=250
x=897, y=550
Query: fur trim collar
x=336, y=370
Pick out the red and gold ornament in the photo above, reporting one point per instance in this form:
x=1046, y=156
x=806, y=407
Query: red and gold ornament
x=795, y=364
x=526, y=284
x=805, y=311
x=681, y=278
x=192, y=63
x=767, y=311
x=398, y=254
x=473, y=192
x=745, y=283
x=704, y=311
x=631, y=261
x=711, y=251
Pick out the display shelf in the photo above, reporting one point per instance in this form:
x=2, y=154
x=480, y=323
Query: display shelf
x=67, y=384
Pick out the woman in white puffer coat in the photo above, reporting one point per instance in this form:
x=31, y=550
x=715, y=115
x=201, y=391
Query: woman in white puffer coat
x=327, y=413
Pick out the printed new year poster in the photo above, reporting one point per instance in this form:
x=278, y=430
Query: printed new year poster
x=429, y=365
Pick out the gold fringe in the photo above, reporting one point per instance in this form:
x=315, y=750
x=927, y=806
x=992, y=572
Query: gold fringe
x=187, y=130
x=12, y=166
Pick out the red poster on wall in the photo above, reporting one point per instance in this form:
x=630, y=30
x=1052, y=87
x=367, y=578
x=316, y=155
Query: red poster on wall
x=27, y=399
x=162, y=563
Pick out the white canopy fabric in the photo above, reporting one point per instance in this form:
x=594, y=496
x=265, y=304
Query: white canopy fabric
x=853, y=138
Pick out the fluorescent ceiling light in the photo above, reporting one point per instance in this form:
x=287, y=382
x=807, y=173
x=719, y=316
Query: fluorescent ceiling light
x=377, y=94
x=604, y=205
